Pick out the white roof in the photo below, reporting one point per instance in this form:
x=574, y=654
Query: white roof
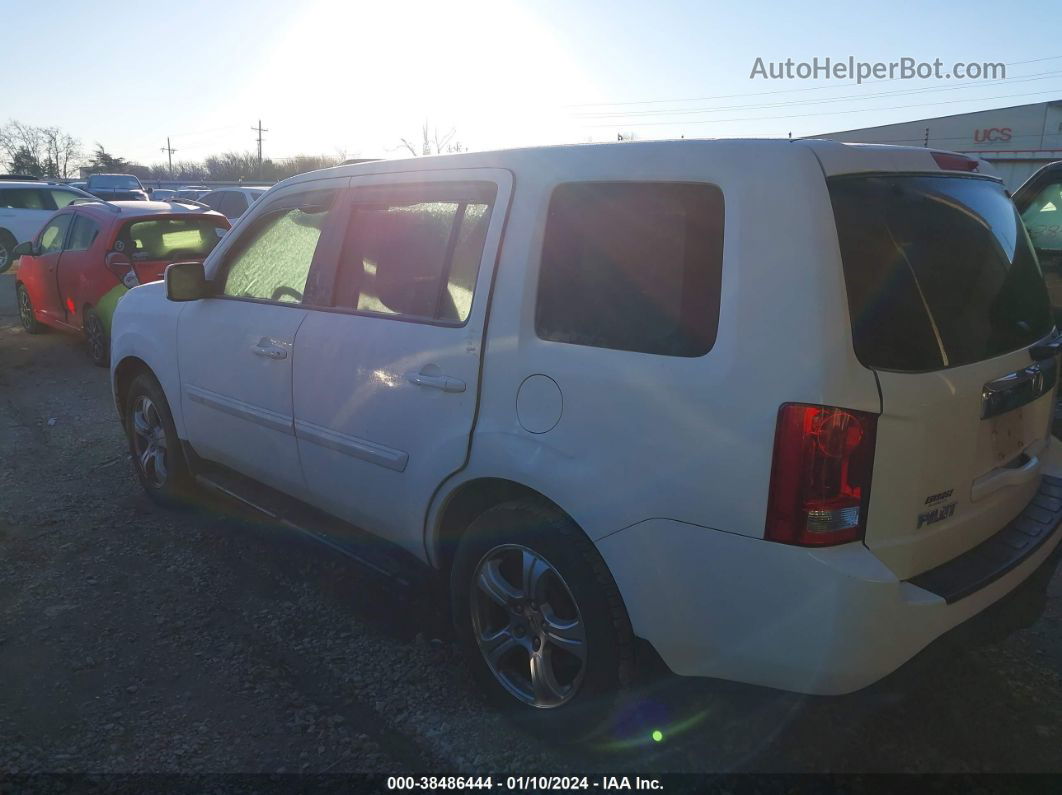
x=834, y=156
x=14, y=183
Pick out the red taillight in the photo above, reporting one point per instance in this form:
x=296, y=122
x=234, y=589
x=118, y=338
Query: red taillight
x=820, y=476
x=950, y=161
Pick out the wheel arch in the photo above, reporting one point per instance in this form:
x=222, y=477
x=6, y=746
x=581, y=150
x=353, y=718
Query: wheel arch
x=467, y=501
x=124, y=373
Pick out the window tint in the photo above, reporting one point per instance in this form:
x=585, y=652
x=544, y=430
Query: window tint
x=939, y=271
x=1043, y=218
x=61, y=198
x=632, y=266
x=233, y=204
x=171, y=238
x=83, y=234
x=415, y=252
x=53, y=234
x=213, y=200
x=25, y=199
x=272, y=258
x=120, y=181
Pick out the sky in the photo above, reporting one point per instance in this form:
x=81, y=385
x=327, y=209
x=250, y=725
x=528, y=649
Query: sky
x=329, y=77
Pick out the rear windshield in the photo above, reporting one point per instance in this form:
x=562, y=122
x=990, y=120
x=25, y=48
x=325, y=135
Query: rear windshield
x=170, y=238
x=939, y=271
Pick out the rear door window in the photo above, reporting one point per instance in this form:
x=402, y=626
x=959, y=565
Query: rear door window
x=633, y=266
x=83, y=235
x=414, y=252
x=939, y=271
x=26, y=199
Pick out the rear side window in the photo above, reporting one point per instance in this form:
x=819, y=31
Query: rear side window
x=61, y=198
x=633, y=266
x=939, y=271
x=271, y=260
x=415, y=252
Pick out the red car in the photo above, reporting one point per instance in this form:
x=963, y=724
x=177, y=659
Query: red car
x=89, y=254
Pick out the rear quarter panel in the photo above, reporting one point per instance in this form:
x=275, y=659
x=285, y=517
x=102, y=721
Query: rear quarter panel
x=689, y=439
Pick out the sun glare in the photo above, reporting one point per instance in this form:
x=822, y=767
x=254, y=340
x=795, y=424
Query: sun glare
x=364, y=75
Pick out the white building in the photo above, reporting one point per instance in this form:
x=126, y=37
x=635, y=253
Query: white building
x=1016, y=140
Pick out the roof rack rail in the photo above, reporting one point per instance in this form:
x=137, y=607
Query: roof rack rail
x=114, y=208
x=193, y=202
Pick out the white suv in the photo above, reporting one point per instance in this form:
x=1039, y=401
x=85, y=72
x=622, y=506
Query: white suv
x=24, y=207
x=232, y=202
x=778, y=412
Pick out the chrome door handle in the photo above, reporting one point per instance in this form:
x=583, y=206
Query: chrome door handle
x=443, y=382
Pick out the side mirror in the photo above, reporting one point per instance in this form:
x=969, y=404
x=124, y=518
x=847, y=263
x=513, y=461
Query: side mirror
x=149, y=191
x=23, y=249
x=186, y=281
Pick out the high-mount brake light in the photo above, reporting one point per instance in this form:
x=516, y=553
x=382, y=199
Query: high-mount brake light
x=820, y=475
x=948, y=161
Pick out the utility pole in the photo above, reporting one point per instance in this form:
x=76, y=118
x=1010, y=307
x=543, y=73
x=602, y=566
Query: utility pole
x=260, y=131
x=169, y=150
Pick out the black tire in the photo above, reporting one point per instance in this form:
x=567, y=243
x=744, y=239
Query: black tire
x=592, y=694
x=7, y=248
x=25, y=310
x=96, y=338
x=170, y=486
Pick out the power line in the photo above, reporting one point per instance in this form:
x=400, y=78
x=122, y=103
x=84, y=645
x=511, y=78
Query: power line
x=260, y=131
x=169, y=150
x=828, y=113
x=903, y=92
x=766, y=93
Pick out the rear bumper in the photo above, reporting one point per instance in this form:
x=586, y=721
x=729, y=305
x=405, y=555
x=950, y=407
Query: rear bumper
x=819, y=621
x=992, y=559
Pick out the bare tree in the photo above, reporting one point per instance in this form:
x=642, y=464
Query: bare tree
x=39, y=151
x=433, y=143
x=64, y=153
x=23, y=147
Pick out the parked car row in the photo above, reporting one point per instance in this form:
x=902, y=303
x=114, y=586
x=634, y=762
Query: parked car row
x=91, y=252
x=27, y=203
x=627, y=403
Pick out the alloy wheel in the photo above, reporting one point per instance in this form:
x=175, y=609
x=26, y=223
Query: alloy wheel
x=149, y=441
x=25, y=308
x=528, y=626
x=94, y=335
x=5, y=257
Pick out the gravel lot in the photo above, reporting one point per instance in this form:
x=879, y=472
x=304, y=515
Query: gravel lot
x=133, y=639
